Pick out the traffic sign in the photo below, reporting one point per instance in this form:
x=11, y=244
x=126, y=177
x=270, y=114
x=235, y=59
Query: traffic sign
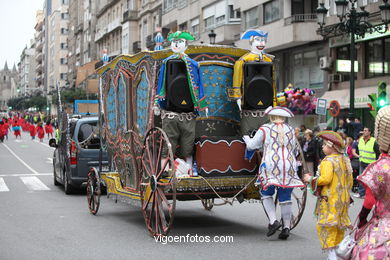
x=334, y=108
x=321, y=106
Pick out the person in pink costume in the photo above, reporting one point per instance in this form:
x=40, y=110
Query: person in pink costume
x=373, y=237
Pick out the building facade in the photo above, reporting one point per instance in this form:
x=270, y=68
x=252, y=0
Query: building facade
x=56, y=37
x=108, y=35
x=371, y=65
x=81, y=44
x=39, y=44
x=28, y=83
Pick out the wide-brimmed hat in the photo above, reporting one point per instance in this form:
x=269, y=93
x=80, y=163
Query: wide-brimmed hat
x=332, y=139
x=278, y=111
x=252, y=32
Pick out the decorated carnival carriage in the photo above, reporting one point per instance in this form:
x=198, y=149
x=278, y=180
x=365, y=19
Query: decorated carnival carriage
x=133, y=136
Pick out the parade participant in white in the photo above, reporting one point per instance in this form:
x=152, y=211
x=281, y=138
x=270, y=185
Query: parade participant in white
x=280, y=149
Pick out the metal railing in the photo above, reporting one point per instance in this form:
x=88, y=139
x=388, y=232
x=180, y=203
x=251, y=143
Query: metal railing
x=300, y=18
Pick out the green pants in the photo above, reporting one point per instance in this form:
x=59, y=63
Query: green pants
x=180, y=132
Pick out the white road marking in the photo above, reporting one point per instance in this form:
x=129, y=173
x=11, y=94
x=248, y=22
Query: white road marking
x=33, y=183
x=3, y=186
x=25, y=174
x=17, y=157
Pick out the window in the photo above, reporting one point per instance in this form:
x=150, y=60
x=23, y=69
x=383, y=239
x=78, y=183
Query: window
x=377, y=57
x=220, y=20
x=234, y=14
x=344, y=53
x=64, y=31
x=63, y=76
x=169, y=4
x=63, y=61
x=64, y=2
x=195, y=26
x=65, y=16
x=251, y=18
x=271, y=11
x=209, y=23
x=183, y=27
x=130, y=5
x=306, y=70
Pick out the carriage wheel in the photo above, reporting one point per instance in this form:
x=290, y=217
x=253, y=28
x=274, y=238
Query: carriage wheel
x=298, y=199
x=157, y=183
x=208, y=204
x=93, y=191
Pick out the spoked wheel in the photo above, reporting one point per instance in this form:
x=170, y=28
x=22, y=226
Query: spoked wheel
x=158, y=183
x=208, y=204
x=298, y=199
x=93, y=191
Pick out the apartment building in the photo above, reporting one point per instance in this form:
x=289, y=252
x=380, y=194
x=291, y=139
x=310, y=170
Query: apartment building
x=109, y=27
x=28, y=84
x=56, y=46
x=39, y=44
x=81, y=44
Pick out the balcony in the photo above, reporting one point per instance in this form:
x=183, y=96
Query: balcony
x=291, y=32
x=38, y=57
x=38, y=68
x=113, y=25
x=130, y=15
x=300, y=18
x=225, y=34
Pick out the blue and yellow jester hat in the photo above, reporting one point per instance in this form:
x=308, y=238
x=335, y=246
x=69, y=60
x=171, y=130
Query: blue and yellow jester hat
x=251, y=32
x=180, y=35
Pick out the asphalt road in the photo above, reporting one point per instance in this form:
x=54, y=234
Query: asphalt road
x=38, y=221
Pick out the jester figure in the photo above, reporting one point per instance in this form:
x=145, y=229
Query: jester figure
x=179, y=122
x=278, y=170
x=250, y=119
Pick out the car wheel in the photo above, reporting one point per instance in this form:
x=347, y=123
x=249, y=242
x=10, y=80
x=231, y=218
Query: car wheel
x=67, y=187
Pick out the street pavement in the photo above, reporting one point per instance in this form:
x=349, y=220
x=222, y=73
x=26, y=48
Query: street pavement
x=38, y=221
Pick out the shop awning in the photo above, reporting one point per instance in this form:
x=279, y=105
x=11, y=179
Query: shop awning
x=342, y=96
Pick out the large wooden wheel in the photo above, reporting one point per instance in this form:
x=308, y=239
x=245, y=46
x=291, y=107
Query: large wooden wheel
x=298, y=200
x=157, y=183
x=93, y=191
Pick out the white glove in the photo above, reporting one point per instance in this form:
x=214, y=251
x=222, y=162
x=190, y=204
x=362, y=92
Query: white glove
x=239, y=104
x=156, y=110
x=207, y=112
x=246, y=138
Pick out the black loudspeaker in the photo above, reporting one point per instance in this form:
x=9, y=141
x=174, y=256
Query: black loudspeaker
x=177, y=88
x=258, y=90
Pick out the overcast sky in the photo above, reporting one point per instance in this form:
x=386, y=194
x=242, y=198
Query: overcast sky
x=17, y=22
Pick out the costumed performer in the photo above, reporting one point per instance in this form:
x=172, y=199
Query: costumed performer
x=278, y=170
x=179, y=123
x=332, y=187
x=40, y=131
x=250, y=119
x=373, y=238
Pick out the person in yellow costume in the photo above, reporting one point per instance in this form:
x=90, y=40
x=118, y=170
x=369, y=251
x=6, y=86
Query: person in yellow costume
x=332, y=187
x=253, y=119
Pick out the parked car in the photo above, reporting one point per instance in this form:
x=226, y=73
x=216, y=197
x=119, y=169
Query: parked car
x=76, y=152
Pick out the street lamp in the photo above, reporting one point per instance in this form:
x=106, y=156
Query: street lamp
x=212, y=36
x=355, y=23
